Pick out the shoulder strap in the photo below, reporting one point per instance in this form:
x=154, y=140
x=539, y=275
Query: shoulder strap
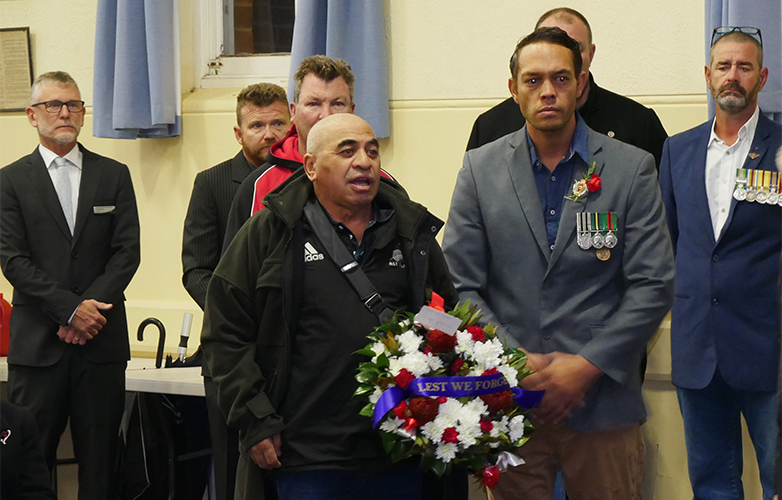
x=347, y=265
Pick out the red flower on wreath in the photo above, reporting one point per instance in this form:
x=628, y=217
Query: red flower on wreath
x=450, y=435
x=424, y=410
x=456, y=366
x=478, y=335
x=498, y=401
x=404, y=378
x=486, y=425
x=440, y=341
x=593, y=184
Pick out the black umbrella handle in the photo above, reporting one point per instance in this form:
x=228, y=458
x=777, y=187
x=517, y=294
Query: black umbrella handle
x=161, y=337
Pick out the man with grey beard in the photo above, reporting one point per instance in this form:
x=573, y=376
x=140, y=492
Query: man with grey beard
x=722, y=197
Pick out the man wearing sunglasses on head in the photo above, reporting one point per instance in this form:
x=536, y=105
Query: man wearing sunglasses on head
x=69, y=245
x=722, y=197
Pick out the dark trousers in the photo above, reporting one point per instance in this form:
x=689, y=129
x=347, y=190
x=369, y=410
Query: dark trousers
x=225, y=445
x=92, y=395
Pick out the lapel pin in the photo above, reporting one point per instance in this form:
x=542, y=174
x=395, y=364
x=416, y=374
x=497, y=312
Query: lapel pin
x=753, y=155
x=5, y=435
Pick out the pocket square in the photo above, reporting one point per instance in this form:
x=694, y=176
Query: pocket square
x=103, y=209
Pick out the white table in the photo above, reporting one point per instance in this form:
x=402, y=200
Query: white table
x=142, y=376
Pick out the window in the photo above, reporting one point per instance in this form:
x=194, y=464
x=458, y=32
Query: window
x=239, y=42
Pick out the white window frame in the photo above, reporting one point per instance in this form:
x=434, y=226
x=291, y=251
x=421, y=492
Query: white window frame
x=213, y=70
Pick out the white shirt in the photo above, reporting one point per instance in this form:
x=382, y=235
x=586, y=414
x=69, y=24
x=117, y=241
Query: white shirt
x=721, y=164
x=75, y=157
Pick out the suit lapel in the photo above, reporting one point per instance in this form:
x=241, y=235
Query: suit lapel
x=88, y=187
x=240, y=168
x=758, y=151
x=567, y=220
x=519, y=165
x=39, y=177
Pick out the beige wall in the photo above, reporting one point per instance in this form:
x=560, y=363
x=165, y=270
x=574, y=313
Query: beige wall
x=447, y=63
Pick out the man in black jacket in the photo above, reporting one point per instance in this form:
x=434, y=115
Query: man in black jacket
x=262, y=118
x=602, y=110
x=282, y=323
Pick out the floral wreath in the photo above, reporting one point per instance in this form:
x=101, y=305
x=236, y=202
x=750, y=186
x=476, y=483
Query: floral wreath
x=440, y=386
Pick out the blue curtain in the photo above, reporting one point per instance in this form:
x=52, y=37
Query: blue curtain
x=136, y=82
x=355, y=32
x=763, y=14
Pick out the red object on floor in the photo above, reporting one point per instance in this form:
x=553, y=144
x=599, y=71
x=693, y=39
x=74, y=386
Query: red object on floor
x=5, y=325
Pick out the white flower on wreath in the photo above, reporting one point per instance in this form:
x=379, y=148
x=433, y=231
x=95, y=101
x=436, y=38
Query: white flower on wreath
x=373, y=398
x=434, y=430
x=517, y=428
x=378, y=348
x=464, y=343
x=499, y=426
x=510, y=374
x=391, y=424
x=409, y=341
x=435, y=363
x=416, y=363
x=446, y=451
x=487, y=353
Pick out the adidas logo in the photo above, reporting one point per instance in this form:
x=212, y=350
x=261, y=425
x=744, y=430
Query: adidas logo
x=310, y=254
x=396, y=259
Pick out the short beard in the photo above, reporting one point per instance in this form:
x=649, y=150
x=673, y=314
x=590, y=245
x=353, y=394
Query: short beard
x=732, y=104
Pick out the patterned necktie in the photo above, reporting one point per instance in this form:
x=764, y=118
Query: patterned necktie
x=64, y=190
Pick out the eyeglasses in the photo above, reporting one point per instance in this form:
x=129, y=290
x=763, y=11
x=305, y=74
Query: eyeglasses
x=56, y=106
x=721, y=31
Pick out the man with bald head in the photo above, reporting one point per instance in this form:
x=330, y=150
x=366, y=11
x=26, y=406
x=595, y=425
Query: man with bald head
x=602, y=110
x=282, y=321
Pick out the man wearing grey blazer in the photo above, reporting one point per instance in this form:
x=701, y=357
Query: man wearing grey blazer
x=557, y=233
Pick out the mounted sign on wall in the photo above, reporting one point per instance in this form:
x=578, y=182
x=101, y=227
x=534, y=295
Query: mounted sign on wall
x=16, y=69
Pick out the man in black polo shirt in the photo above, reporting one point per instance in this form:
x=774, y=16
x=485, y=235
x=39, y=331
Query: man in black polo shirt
x=282, y=322
x=602, y=110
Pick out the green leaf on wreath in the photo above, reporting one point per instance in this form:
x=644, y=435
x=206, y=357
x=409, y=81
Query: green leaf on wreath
x=388, y=440
x=366, y=352
x=382, y=361
x=367, y=410
x=439, y=467
x=364, y=389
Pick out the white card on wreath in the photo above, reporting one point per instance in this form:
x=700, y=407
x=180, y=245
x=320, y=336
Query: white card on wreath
x=432, y=319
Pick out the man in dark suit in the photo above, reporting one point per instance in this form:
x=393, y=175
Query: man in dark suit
x=602, y=110
x=262, y=118
x=556, y=232
x=69, y=245
x=724, y=223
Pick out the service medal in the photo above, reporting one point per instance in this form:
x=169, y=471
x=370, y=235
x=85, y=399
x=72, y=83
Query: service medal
x=611, y=240
x=762, y=196
x=598, y=241
x=773, y=198
x=584, y=241
x=603, y=254
x=751, y=195
x=740, y=190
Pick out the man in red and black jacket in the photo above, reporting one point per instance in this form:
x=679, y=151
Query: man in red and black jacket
x=323, y=86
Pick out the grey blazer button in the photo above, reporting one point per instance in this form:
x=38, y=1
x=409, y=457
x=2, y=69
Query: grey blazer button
x=423, y=252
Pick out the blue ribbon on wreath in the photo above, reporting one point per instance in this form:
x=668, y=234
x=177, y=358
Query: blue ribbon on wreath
x=453, y=387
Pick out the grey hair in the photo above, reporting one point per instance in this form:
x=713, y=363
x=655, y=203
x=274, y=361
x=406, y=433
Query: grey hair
x=56, y=77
